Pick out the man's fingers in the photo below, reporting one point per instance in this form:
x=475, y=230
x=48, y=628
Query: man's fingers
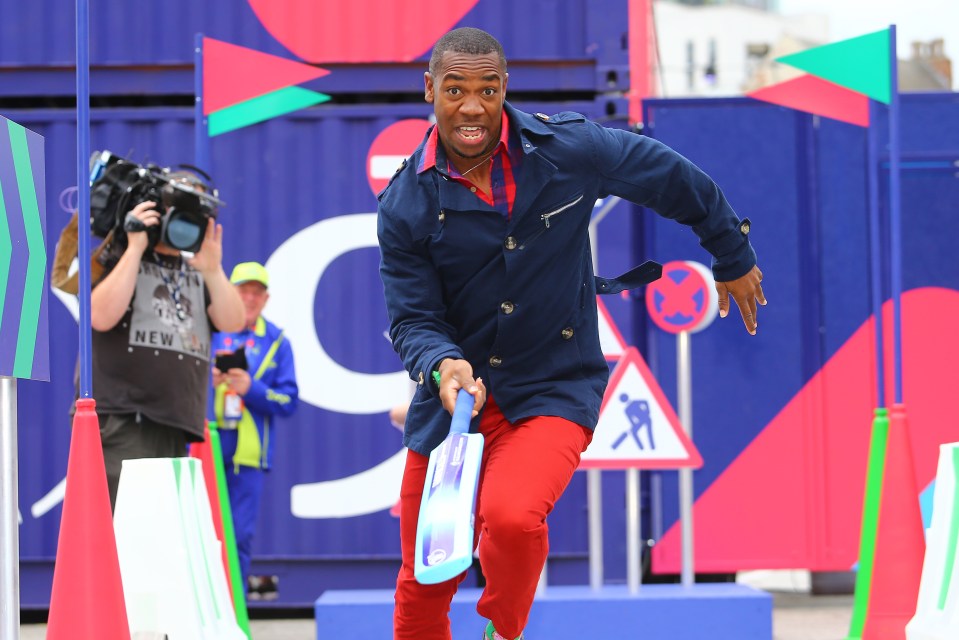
x=479, y=398
x=746, y=291
x=144, y=206
x=723, y=299
x=748, y=309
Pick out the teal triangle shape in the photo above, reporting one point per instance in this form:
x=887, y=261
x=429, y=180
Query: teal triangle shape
x=860, y=64
x=270, y=105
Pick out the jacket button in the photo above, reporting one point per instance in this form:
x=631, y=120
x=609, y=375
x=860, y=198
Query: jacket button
x=510, y=243
x=421, y=378
x=507, y=307
x=567, y=333
x=495, y=361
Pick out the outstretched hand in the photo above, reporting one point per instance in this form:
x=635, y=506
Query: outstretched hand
x=747, y=291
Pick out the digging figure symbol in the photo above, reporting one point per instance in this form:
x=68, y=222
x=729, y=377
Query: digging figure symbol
x=637, y=411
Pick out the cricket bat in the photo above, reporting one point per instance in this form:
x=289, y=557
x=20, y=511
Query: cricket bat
x=444, y=530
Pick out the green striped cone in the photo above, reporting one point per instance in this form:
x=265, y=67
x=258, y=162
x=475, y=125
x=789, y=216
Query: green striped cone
x=229, y=537
x=870, y=521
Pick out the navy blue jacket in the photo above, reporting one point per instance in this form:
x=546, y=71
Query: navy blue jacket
x=517, y=298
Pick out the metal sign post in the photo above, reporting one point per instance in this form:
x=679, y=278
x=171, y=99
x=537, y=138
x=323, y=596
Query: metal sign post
x=684, y=302
x=9, y=521
x=634, y=570
x=637, y=429
x=594, y=502
x=684, y=395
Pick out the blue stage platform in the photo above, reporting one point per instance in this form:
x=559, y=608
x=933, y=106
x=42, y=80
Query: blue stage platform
x=657, y=612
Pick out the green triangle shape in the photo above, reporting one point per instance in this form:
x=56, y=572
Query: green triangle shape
x=860, y=64
x=270, y=105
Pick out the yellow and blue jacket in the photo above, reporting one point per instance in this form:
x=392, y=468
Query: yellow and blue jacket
x=273, y=392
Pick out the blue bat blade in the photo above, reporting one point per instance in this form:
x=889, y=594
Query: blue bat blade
x=444, y=531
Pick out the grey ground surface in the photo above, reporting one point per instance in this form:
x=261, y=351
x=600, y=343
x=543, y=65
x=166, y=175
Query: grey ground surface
x=796, y=616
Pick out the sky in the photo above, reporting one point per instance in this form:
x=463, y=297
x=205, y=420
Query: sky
x=914, y=19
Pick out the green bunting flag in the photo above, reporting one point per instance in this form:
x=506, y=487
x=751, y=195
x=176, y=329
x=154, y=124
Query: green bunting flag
x=860, y=64
x=270, y=105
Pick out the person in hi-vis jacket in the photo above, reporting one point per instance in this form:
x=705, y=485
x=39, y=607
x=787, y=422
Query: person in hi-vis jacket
x=259, y=386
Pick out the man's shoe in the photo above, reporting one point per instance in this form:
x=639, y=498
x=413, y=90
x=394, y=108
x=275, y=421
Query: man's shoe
x=490, y=633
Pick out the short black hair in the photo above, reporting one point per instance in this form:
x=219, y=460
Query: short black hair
x=466, y=40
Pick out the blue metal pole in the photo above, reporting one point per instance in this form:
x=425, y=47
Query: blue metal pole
x=895, y=217
x=875, y=248
x=201, y=140
x=83, y=187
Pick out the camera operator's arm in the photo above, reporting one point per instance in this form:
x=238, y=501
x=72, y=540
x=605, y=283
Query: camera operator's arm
x=110, y=299
x=226, y=307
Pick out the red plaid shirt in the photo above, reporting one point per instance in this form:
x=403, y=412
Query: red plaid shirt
x=501, y=178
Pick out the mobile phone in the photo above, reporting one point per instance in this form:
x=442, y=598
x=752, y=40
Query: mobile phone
x=233, y=360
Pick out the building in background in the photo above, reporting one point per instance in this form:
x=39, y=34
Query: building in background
x=928, y=69
x=729, y=47
x=719, y=49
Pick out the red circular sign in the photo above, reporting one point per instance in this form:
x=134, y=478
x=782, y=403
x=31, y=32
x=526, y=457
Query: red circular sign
x=391, y=147
x=684, y=299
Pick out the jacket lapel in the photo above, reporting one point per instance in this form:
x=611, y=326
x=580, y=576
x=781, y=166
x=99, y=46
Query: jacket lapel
x=536, y=171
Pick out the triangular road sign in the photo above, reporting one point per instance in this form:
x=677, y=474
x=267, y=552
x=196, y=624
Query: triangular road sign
x=638, y=428
x=610, y=339
x=234, y=74
x=860, y=64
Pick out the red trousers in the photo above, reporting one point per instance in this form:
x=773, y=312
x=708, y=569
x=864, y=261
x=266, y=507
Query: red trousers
x=526, y=468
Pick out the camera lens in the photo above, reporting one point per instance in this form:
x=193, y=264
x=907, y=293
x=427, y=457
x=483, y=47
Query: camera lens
x=183, y=234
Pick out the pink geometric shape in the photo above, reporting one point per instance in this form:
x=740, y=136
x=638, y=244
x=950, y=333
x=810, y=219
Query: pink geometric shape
x=234, y=74
x=820, y=97
x=359, y=30
x=793, y=497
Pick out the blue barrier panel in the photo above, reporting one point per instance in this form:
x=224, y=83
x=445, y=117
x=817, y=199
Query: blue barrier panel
x=714, y=611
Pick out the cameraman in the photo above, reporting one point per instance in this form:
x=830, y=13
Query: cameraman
x=153, y=313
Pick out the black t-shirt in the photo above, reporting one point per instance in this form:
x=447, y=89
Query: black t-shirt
x=156, y=359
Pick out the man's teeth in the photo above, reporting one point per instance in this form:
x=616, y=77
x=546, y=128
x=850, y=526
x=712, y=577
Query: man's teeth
x=466, y=131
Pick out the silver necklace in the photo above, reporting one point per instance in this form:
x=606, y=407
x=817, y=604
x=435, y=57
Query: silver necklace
x=173, y=287
x=480, y=162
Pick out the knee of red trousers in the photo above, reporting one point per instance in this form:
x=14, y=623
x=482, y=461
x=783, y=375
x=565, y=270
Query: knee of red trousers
x=508, y=526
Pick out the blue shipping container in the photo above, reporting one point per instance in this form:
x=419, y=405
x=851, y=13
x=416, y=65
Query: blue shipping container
x=298, y=199
x=148, y=47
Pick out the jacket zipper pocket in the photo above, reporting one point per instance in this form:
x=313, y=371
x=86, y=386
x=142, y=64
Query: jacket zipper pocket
x=546, y=216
